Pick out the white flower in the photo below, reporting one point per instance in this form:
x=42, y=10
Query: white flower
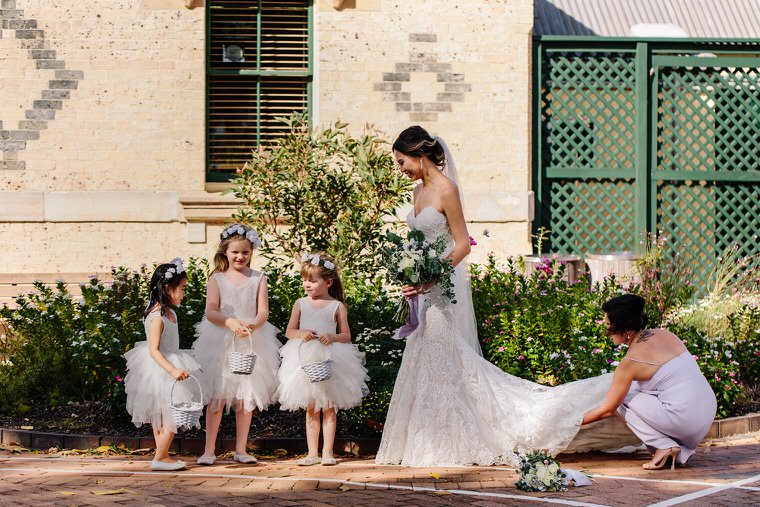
x=305, y=257
x=178, y=265
x=405, y=263
x=329, y=265
x=253, y=238
x=315, y=260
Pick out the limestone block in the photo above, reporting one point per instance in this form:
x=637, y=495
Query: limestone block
x=22, y=206
x=111, y=206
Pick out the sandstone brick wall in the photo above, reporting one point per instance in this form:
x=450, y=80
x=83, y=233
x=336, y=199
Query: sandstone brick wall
x=102, y=118
x=460, y=69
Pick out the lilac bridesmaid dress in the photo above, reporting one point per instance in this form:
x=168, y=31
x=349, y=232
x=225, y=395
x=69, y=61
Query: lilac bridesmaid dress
x=674, y=408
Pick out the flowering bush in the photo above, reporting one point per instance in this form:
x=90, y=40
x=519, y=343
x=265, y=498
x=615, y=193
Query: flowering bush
x=539, y=326
x=665, y=279
x=61, y=350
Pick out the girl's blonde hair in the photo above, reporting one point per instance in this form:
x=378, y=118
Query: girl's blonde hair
x=235, y=232
x=323, y=265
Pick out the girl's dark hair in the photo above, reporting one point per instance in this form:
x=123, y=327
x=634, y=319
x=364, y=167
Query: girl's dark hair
x=158, y=285
x=336, y=288
x=625, y=313
x=416, y=142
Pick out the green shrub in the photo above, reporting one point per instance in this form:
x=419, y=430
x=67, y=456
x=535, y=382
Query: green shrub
x=540, y=327
x=321, y=191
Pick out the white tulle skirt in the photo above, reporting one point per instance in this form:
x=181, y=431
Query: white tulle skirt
x=344, y=389
x=148, y=385
x=221, y=387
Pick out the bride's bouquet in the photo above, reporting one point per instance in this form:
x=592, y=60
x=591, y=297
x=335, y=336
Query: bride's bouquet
x=417, y=260
x=539, y=471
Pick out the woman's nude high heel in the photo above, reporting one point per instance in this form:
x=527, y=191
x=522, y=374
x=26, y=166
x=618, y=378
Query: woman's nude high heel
x=673, y=453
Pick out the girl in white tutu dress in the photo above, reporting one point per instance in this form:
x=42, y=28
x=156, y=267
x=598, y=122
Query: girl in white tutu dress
x=318, y=330
x=237, y=308
x=153, y=365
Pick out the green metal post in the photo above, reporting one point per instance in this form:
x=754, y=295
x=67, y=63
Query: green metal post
x=641, y=185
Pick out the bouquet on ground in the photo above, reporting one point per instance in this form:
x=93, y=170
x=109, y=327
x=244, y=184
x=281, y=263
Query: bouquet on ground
x=539, y=471
x=417, y=260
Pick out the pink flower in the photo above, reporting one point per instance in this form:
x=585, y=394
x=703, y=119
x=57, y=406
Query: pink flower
x=118, y=378
x=520, y=357
x=596, y=351
x=501, y=349
x=473, y=242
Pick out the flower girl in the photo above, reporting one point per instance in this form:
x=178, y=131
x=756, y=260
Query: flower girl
x=318, y=331
x=153, y=364
x=237, y=308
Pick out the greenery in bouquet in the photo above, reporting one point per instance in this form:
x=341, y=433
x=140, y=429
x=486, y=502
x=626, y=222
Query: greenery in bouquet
x=417, y=260
x=540, y=472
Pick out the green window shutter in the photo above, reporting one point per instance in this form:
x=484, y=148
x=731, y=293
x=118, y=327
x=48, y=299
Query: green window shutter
x=258, y=67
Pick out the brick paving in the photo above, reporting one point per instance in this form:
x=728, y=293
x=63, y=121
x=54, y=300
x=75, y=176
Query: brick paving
x=724, y=472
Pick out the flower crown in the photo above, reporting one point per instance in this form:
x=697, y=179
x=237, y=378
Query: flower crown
x=316, y=260
x=176, y=269
x=241, y=230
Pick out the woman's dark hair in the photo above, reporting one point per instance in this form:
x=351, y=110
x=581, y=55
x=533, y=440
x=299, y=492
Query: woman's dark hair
x=159, y=282
x=416, y=142
x=625, y=313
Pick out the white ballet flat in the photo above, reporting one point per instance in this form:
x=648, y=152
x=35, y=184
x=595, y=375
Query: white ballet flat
x=162, y=466
x=206, y=460
x=245, y=459
x=328, y=461
x=307, y=461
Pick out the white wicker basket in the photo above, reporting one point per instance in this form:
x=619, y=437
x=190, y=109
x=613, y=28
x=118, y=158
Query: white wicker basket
x=187, y=413
x=317, y=371
x=241, y=363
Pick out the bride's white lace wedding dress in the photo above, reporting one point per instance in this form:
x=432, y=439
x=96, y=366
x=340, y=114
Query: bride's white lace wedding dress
x=452, y=407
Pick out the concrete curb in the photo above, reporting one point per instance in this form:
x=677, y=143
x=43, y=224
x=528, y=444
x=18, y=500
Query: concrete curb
x=38, y=440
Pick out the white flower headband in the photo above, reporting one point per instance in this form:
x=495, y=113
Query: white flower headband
x=177, y=269
x=316, y=260
x=241, y=230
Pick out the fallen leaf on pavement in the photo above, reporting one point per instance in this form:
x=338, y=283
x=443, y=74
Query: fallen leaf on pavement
x=66, y=493
x=109, y=491
x=435, y=476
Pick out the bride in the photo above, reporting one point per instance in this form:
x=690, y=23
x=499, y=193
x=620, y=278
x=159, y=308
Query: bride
x=450, y=406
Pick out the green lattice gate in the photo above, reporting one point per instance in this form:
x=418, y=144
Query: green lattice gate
x=638, y=136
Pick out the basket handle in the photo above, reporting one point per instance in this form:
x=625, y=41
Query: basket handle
x=235, y=338
x=174, y=384
x=328, y=352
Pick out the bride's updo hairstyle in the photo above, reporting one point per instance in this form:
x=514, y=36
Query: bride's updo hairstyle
x=625, y=313
x=416, y=142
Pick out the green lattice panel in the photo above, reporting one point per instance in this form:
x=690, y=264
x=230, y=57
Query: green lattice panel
x=708, y=119
x=590, y=215
x=701, y=220
x=588, y=110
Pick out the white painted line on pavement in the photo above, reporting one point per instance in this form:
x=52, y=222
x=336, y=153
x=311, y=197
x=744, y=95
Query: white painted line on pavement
x=705, y=492
x=312, y=479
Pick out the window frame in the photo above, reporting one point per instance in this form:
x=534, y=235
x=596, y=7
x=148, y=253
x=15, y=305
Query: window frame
x=212, y=176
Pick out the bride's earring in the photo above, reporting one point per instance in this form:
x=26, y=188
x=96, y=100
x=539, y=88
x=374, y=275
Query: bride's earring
x=421, y=164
